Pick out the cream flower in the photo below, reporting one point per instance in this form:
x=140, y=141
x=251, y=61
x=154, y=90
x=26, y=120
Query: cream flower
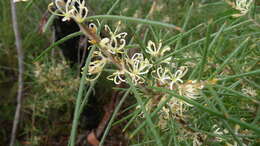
x=249, y=91
x=117, y=77
x=80, y=13
x=191, y=89
x=163, y=121
x=162, y=75
x=157, y=51
x=115, y=43
x=99, y=61
x=75, y=9
x=219, y=132
x=243, y=6
x=174, y=105
x=165, y=77
x=176, y=78
x=136, y=67
x=165, y=113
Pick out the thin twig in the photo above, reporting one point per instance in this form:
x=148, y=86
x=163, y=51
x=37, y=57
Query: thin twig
x=20, y=55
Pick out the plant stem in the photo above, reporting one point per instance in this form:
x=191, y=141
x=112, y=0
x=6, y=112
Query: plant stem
x=79, y=101
x=20, y=55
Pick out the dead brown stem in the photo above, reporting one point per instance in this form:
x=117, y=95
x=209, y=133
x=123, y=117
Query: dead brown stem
x=20, y=55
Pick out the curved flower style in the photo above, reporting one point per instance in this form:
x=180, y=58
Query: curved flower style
x=99, y=62
x=162, y=75
x=115, y=43
x=191, y=89
x=81, y=13
x=156, y=51
x=243, y=6
x=164, y=116
x=166, y=78
x=117, y=77
x=136, y=67
x=96, y=65
x=249, y=91
x=176, y=77
x=174, y=105
x=75, y=9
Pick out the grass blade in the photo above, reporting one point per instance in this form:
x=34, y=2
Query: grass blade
x=135, y=20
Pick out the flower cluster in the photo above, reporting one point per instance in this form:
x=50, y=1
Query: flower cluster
x=115, y=43
x=189, y=89
x=139, y=70
x=166, y=78
x=135, y=67
x=243, y=6
x=98, y=62
x=172, y=107
x=71, y=9
x=156, y=51
x=111, y=49
x=249, y=91
x=143, y=68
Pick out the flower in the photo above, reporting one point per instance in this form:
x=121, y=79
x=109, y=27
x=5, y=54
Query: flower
x=190, y=89
x=98, y=62
x=176, y=106
x=81, y=13
x=166, y=78
x=249, y=91
x=162, y=123
x=115, y=43
x=162, y=75
x=243, y=6
x=172, y=108
x=117, y=77
x=148, y=108
x=157, y=51
x=220, y=132
x=75, y=9
x=176, y=77
x=136, y=67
